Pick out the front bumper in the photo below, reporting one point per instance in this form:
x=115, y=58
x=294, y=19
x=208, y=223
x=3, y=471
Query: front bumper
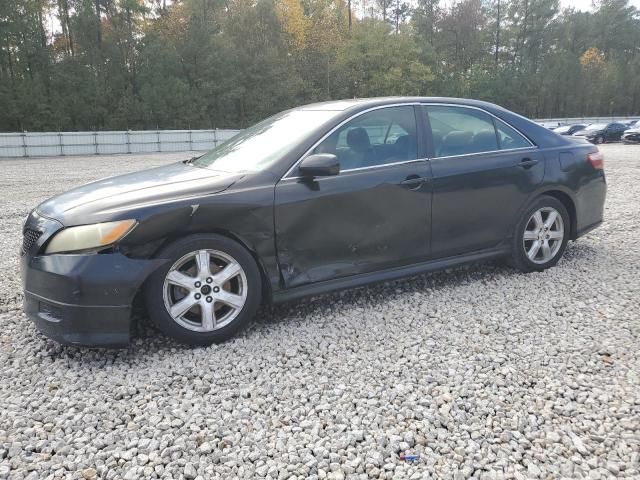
x=80, y=325
x=83, y=299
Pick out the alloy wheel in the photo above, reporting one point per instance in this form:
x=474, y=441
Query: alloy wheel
x=543, y=235
x=205, y=290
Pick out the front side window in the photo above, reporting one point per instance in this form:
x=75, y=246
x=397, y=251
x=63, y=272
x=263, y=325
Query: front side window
x=464, y=131
x=382, y=136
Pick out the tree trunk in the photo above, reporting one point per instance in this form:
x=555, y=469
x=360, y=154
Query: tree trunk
x=497, y=34
x=9, y=57
x=99, y=26
x=397, y=16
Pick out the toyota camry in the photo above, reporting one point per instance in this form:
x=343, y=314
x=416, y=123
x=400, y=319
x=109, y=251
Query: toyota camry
x=318, y=198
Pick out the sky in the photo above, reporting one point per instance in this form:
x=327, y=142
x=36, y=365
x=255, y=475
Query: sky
x=585, y=5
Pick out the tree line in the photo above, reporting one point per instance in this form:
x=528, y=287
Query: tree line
x=138, y=64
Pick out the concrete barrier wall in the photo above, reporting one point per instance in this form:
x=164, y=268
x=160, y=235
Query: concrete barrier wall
x=38, y=144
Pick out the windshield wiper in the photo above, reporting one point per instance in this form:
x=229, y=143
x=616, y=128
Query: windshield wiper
x=191, y=160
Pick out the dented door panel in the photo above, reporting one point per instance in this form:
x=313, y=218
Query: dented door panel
x=356, y=222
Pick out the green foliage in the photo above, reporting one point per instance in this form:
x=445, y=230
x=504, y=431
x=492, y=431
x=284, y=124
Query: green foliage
x=129, y=64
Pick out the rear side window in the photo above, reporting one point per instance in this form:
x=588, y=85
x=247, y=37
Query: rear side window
x=509, y=138
x=463, y=131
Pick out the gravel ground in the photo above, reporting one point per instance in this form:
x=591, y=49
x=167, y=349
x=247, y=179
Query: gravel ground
x=482, y=372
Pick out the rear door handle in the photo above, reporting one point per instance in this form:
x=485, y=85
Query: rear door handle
x=414, y=182
x=528, y=162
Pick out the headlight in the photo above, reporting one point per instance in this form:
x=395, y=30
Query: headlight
x=88, y=237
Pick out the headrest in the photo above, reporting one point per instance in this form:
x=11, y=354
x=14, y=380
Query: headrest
x=485, y=141
x=358, y=139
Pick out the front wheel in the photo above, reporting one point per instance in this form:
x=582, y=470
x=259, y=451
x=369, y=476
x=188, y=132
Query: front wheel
x=599, y=139
x=541, y=236
x=208, y=291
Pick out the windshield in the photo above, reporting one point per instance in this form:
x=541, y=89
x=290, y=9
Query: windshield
x=596, y=126
x=258, y=147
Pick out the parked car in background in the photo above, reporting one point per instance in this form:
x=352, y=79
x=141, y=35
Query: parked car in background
x=633, y=123
x=569, y=129
x=317, y=198
x=602, y=132
x=549, y=125
x=632, y=135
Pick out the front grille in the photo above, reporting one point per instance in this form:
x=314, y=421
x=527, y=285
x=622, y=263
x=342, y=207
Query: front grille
x=29, y=239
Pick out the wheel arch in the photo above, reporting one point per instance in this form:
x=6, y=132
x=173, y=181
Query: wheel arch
x=264, y=279
x=568, y=203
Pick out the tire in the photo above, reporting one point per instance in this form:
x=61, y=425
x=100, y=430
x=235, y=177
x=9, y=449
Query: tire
x=599, y=140
x=522, y=249
x=216, y=304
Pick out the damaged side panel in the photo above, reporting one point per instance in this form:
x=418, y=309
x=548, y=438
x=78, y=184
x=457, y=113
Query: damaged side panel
x=356, y=222
x=244, y=212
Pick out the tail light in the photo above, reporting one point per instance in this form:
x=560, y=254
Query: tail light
x=596, y=159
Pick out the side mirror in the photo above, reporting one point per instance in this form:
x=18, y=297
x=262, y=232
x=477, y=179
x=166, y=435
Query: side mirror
x=319, y=165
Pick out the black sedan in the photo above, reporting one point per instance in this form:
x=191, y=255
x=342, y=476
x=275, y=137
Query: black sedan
x=318, y=198
x=602, y=132
x=569, y=129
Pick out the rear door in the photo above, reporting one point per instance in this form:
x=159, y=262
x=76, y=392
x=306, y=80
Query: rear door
x=374, y=215
x=483, y=172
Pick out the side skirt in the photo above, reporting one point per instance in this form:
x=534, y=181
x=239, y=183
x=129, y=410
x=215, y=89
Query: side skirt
x=385, y=275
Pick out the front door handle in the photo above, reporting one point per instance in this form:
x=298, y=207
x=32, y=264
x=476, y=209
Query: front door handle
x=528, y=162
x=414, y=182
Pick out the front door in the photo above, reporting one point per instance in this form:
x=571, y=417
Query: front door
x=614, y=132
x=374, y=215
x=483, y=173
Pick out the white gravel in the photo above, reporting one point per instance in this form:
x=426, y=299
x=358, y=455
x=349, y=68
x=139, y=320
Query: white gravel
x=483, y=372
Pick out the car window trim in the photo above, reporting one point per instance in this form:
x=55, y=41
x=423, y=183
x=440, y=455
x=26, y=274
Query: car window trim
x=494, y=118
x=493, y=152
x=355, y=115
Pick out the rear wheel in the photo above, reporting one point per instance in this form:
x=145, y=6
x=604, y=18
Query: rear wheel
x=541, y=236
x=208, y=290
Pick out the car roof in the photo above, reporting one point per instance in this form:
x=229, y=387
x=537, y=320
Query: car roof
x=363, y=103
x=540, y=135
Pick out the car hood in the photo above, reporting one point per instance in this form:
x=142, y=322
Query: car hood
x=103, y=198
